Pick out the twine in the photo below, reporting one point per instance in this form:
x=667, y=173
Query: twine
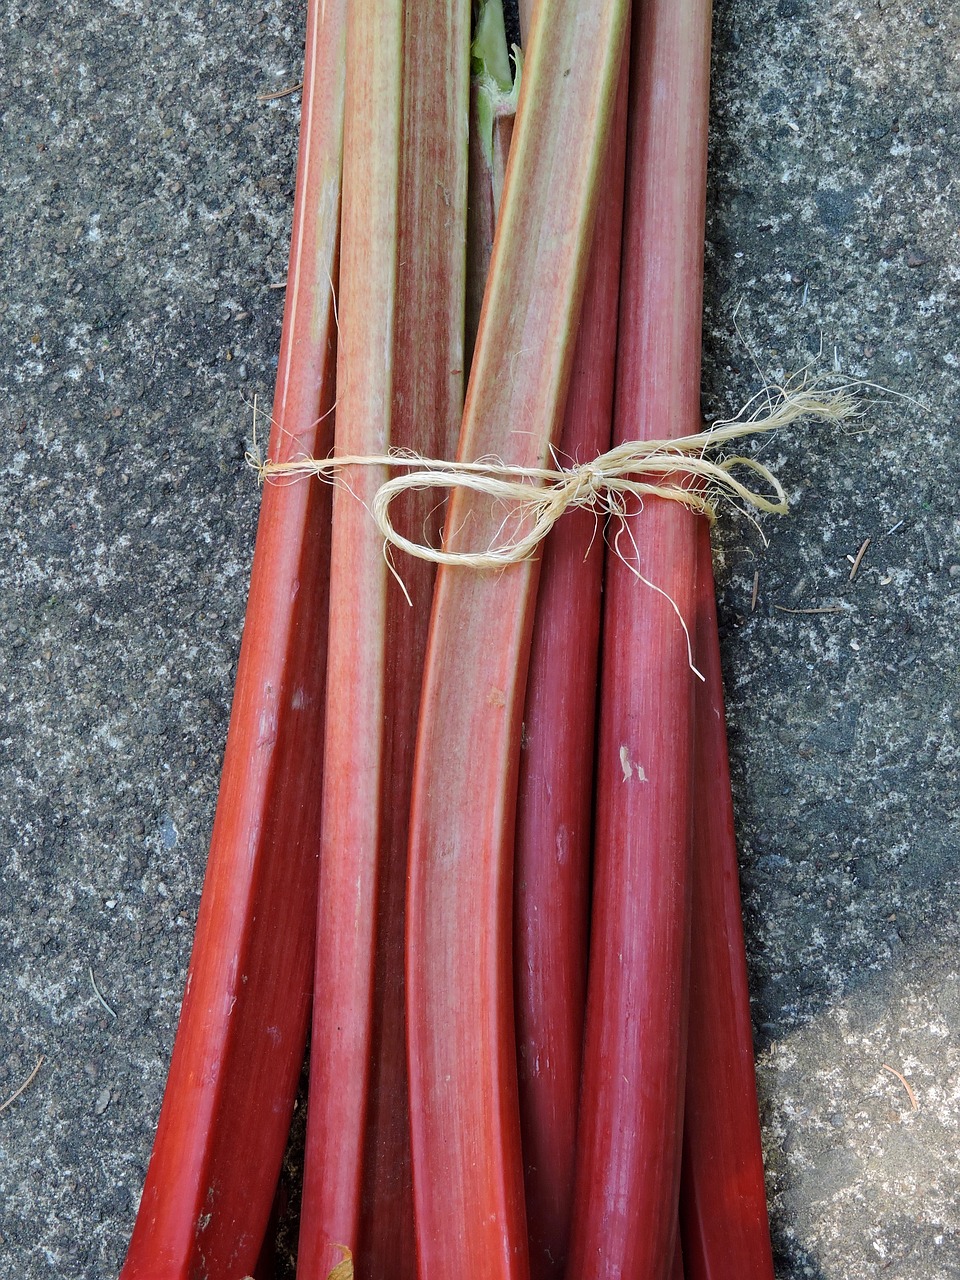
x=678, y=470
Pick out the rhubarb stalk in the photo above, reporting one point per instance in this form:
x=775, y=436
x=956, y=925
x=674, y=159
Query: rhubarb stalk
x=240, y=1042
x=723, y=1209
x=629, y=1135
x=555, y=793
x=493, y=107
x=468, y=1182
x=400, y=380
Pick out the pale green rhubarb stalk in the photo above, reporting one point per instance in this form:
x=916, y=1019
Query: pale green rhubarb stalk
x=555, y=795
x=400, y=381
x=240, y=1043
x=493, y=105
x=630, y=1126
x=468, y=1181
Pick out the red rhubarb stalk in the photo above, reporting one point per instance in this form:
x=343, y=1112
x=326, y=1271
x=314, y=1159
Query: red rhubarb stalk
x=240, y=1043
x=723, y=1209
x=400, y=380
x=468, y=1182
x=678, y=1266
x=629, y=1135
x=555, y=794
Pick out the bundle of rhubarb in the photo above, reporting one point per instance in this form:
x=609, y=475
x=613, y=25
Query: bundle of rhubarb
x=475, y=801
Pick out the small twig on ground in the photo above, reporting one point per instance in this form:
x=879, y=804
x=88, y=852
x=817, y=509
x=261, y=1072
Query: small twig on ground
x=823, y=608
x=906, y=1084
x=99, y=994
x=855, y=560
x=26, y=1085
x=280, y=93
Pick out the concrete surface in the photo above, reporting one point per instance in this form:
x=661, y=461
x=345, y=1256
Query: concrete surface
x=145, y=214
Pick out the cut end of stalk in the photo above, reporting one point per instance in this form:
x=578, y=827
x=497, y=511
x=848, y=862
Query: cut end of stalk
x=498, y=89
x=488, y=52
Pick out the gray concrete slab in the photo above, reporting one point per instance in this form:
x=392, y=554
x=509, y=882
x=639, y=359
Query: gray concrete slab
x=145, y=213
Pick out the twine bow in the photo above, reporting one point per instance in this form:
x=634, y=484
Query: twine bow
x=679, y=470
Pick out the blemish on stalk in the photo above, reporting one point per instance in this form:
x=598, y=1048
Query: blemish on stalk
x=446, y=854
x=496, y=698
x=630, y=769
x=267, y=734
x=563, y=845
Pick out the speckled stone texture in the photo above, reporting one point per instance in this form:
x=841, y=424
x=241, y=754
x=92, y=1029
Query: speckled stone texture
x=146, y=201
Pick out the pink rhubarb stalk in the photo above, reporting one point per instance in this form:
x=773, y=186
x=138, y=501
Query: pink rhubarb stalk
x=723, y=1208
x=468, y=1182
x=400, y=384
x=555, y=794
x=629, y=1134
x=239, y=1046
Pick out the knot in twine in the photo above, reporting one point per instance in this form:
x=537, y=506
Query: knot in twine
x=678, y=470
